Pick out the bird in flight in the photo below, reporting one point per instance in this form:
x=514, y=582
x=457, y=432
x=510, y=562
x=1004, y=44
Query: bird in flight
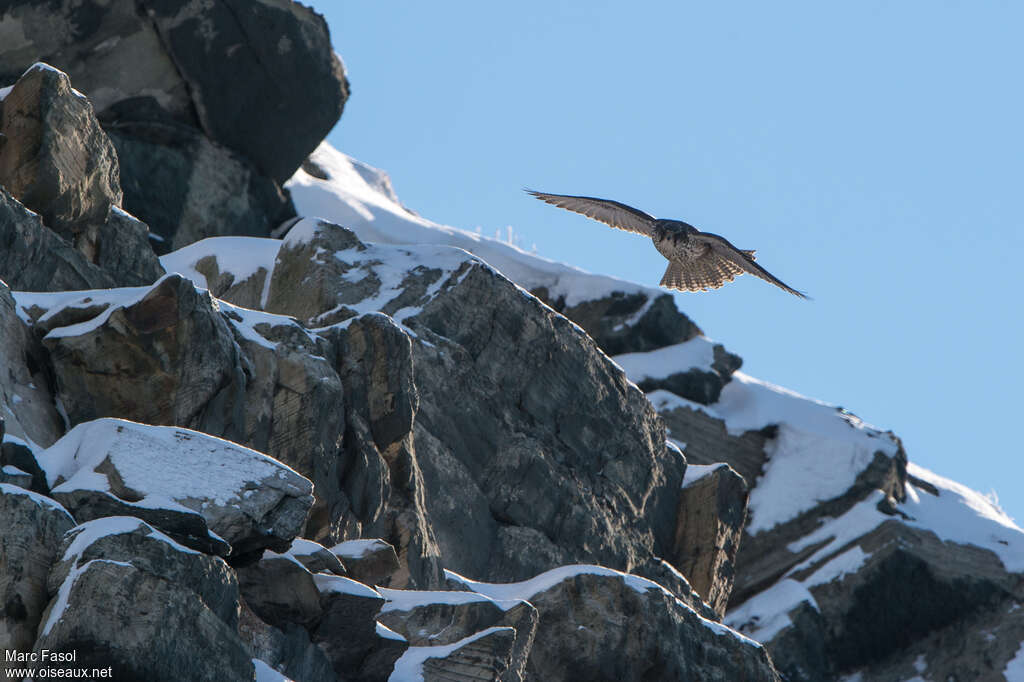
x=697, y=261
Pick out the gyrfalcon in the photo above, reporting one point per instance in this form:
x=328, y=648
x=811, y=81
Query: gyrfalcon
x=697, y=261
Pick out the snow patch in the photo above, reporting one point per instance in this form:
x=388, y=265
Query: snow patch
x=407, y=600
x=360, y=198
x=203, y=467
x=89, y=532
x=696, y=472
x=357, y=549
x=766, y=614
x=697, y=353
x=336, y=584
x=242, y=257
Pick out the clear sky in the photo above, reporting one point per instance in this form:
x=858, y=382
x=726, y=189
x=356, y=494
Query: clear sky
x=872, y=153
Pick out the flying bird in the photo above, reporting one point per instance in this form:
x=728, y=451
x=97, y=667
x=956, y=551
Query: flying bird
x=697, y=261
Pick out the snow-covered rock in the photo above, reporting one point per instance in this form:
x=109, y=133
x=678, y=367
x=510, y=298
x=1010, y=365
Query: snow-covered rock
x=591, y=640
x=201, y=490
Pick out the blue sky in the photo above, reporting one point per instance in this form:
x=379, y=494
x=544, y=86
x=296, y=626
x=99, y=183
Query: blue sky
x=872, y=153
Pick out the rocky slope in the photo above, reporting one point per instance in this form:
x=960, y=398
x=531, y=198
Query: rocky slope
x=324, y=438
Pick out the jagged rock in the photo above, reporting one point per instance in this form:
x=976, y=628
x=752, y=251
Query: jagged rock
x=163, y=356
x=257, y=77
x=31, y=528
x=118, y=616
x=382, y=475
x=594, y=639
x=627, y=323
x=26, y=404
x=669, y=577
x=57, y=161
x=356, y=645
x=434, y=619
x=370, y=561
x=280, y=590
x=294, y=407
x=133, y=541
x=180, y=481
x=35, y=258
x=709, y=442
x=567, y=463
x=766, y=556
x=696, y=369
x=287, y=649
x=188, y=188
x=712, y=509
x=121, y=247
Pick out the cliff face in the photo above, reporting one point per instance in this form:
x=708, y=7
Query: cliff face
x=355, y=444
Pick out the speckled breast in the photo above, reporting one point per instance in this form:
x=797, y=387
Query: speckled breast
x=672, y=239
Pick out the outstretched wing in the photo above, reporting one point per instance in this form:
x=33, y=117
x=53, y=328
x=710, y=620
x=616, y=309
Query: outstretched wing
x=724, y=255
x=609, y=212
x=708, y=271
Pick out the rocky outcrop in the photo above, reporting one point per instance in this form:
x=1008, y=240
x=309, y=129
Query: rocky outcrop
x=117, y=616
x=131, y=540
x=587, y=640
x=55, y=157
x=204, y=150
x=34, y=258
x=545, y=476
x=240, y=72
x=453, y=618
x=26, y=403
x=31, y=528
x=184, y=482
x=712, y=511
x=138, y=357
x=58, y=162
x=188, y=187
x=627, y=323
x=370, y=560
x=358, y=648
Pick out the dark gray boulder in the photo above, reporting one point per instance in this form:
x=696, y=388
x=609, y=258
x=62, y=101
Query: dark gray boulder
x=56, y=159
x=483, y=656
x=31, y=529
x=628, y=323
x=118, y=616
x=371, y=561
x=257, y=77
x=188, y=187
x=34, y=258
x=287, y=649
x=568, y=461
x=133, y=541
x=166, y=356
x=359, y=648
x=280, y=590
x=294, y=407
